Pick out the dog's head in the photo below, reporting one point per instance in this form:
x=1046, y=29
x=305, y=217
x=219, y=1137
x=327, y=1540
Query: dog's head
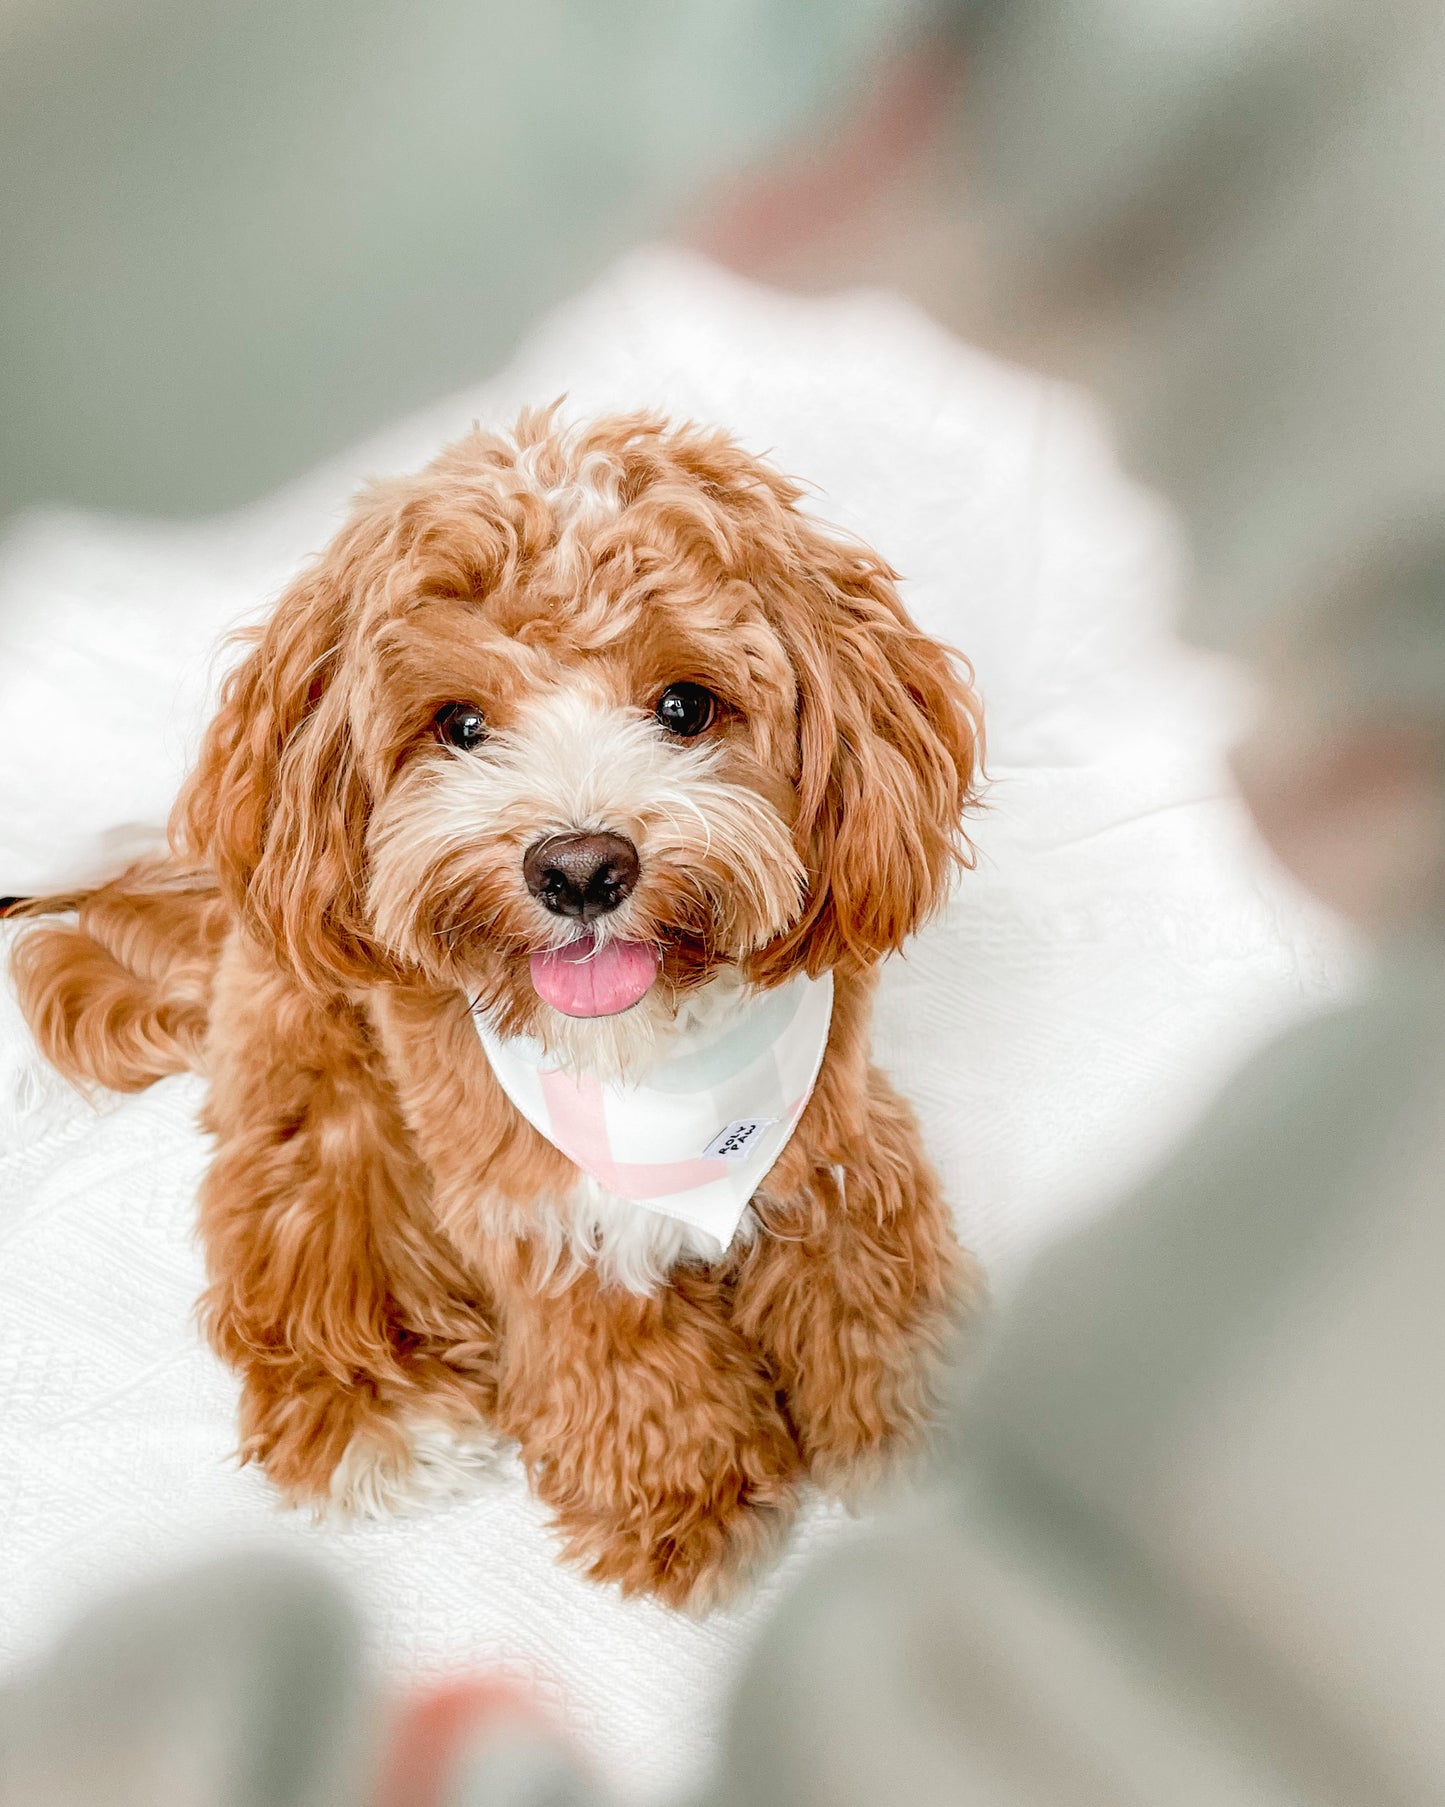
x=574, y=720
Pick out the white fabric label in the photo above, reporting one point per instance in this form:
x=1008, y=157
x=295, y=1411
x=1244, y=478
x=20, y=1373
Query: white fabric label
x=733, y=1143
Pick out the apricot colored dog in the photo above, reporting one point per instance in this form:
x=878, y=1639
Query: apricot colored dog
x=588, y=744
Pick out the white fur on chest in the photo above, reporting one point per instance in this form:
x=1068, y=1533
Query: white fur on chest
x=627, y=1244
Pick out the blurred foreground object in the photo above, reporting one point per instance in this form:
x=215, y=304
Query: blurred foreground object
x=243, y=1683
x=240, y=1684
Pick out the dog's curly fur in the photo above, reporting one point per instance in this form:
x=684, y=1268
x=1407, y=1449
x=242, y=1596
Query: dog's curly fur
x=396, y=1258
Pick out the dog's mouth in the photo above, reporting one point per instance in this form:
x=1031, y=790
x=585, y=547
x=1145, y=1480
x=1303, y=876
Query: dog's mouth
x=586, y=978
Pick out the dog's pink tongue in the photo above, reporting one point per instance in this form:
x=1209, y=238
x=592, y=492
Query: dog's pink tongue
x=580, y=980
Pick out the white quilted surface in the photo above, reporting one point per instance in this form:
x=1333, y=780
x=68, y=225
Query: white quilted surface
x=1121, y=944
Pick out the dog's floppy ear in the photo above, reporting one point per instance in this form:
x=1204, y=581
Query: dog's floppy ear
x=890, y=747
x=276, y=805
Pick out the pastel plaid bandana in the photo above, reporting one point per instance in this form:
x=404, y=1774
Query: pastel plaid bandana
x=697, y=1137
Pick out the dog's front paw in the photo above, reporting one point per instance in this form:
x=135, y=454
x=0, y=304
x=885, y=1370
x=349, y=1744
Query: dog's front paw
x=692, y=1541
x=652, y=1432
x=411, y=1466
x=865, y=1409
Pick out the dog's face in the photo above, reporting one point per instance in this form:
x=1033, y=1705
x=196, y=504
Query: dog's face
x=586, y=775
x=572, y=722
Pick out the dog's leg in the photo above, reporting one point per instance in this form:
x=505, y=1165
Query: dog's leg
x=646, y=1423
x=651, y=1431
x=366, y=1355
x=852, y=1288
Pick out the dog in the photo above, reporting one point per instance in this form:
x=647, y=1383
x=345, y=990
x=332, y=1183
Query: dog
x=577, y=791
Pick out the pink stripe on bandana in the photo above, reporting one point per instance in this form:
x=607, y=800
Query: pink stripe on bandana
x=579, y=1128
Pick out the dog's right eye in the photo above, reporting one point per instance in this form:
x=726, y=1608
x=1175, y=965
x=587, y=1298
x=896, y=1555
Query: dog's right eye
x=686, y=710
x=461, y=725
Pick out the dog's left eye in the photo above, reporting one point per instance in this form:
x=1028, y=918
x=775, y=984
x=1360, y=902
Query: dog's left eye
x=686, y=709
x=461, y=725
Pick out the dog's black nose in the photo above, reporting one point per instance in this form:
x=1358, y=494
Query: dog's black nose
x=582, y=875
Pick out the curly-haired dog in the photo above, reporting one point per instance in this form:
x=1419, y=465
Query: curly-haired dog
x=524, y=916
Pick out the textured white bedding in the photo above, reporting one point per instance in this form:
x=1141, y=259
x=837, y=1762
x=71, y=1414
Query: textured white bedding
x=1121, y=944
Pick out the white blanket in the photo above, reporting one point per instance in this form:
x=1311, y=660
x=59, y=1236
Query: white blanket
x=1121, y=944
